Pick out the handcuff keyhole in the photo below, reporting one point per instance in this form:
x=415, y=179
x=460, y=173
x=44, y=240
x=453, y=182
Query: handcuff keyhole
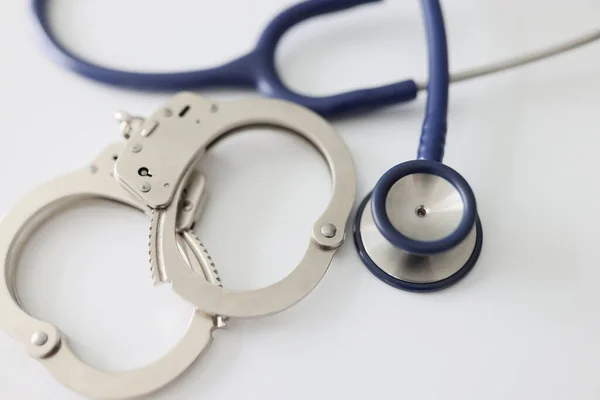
x=421, y=211
x=144, y=172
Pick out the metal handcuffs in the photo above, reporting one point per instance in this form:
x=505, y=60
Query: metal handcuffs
x=163, y=150
x=168, y=144
x=46, y=342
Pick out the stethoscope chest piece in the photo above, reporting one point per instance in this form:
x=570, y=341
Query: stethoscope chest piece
x=419, y=230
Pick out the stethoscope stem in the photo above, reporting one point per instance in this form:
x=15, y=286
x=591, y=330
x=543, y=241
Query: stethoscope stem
x=433, y=133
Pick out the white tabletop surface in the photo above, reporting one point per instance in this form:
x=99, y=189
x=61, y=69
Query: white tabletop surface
x=524, y=324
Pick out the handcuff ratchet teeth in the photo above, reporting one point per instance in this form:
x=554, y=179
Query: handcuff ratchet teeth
x=46, y=342
x=161, y=155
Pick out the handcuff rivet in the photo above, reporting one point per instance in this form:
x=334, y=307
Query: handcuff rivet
x=328, y=230
x=145, y=187
x=39, y=338
x=136, y=148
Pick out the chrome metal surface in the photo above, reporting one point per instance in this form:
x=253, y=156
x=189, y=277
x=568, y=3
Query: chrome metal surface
x=192, y=203
x=149, y=128
x=196, y=250
x=178, y=142
x=128, y=123
x=328, y=230
x=145, y=187
x=46, y=342
x=409, y=267
x=39, y=338
x=424, y=207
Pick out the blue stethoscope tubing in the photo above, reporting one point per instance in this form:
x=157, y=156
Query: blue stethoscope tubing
x=253, y=70
x=429, y=161
x=257, y=68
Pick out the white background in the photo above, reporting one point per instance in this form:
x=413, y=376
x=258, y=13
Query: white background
x=524, y=324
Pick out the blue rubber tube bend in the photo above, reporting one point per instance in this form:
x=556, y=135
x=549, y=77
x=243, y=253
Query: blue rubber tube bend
x=253, y=70
x=433, y=133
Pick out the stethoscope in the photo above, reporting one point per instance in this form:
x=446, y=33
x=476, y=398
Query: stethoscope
x=257, y=69
x=418, y=229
